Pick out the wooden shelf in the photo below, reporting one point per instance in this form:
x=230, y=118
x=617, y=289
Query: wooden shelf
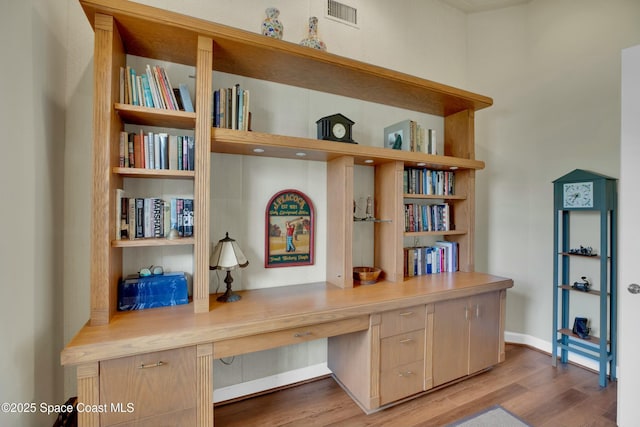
x=434, y=233
x=591, y=292
x=288, y=147
x=144, y=32
x=434, y=196
x=154, y=173
x=139, y=243
x=592, y=338
x=156, y=116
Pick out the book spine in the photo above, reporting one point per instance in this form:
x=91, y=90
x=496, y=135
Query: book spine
x=119, y=212
x=179, y=148
x=216, y=109
x=131, y=217
x=246, y=115
x=166, y=216
x=186, y=97
x=137, y=151
x=131, y=150
x=188, y=217
x=146, y=89
x=164, y=150
x=178, y=97
x=157, y=218
x=156, y=152
x=124, y=138
x=179, y=208
x=173, y=152
x=191, y=147
x=173, y=215
x=139, y=218
x=234, y=106
x=173, y=101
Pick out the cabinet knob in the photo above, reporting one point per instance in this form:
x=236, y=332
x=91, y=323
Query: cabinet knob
x=634, y=288
x=405, y=374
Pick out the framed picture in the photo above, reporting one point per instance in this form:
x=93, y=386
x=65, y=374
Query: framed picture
x=398, y=136
x=290, y=230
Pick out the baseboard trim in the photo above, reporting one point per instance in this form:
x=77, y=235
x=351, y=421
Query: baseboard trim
x=312, y=372
x=546, y=347
x=260, y=385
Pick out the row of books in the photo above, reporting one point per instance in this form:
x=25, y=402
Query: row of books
x=157, y=151
x=430, y=182
x=149, y=217
x=435, y=217
x=231, y=108
x=439, y=258
x=152, y=88
x=408, y=135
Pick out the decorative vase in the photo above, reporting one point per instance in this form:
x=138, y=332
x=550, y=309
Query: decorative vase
x=271, y=26
x=312, y=39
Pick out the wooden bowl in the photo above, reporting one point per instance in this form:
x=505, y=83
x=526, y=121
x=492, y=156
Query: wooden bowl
x=366, y=275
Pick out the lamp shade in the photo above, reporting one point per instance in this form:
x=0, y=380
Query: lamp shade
x=227, y=255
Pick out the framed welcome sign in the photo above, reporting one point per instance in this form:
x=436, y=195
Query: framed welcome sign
x=290, y=230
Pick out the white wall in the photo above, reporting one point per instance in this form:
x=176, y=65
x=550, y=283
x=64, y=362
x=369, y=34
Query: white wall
x=32, y=45
x=553, y=69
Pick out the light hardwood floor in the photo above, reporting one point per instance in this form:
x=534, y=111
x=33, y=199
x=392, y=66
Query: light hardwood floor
x=525, y=384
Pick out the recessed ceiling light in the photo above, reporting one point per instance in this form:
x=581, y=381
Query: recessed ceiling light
x=258, y=150
x=421, y=164
x=453, y=168
x=301, y=154
x=369, y=161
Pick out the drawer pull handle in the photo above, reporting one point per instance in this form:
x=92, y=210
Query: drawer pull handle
x=406, y=313
x=151, y=365
x=405, y=374
x=302, y=334
x=406, y=340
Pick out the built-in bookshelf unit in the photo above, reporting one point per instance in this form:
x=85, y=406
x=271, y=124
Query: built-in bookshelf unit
x=123, y=28
x=358, y=320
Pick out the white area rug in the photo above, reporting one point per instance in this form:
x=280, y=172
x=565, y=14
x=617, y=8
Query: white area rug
x=496, y=416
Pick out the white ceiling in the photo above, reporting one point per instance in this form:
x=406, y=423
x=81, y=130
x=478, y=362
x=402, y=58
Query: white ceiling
x=471, y=6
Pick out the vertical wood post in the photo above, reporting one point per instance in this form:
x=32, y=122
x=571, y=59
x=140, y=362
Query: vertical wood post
x=340, y=222
x=106, y=262
x=88, y=393
x=204, y=367
x=204, y=66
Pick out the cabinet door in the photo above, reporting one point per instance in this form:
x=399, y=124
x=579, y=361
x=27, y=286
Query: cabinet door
x=484, y=329
x=156, y=383
x=450, y=340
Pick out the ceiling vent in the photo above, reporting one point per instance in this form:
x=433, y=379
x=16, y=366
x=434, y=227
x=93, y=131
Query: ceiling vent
x=342, y=13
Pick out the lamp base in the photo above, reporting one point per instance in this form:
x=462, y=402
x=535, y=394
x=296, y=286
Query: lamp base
x=228, y=296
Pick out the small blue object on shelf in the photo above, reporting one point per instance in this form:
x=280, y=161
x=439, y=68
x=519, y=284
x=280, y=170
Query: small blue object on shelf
x=162, y=290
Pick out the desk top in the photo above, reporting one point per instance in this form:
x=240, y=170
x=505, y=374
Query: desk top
x=265, y=310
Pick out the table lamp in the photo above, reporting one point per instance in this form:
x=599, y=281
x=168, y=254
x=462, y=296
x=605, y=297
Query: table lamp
x=227, y=256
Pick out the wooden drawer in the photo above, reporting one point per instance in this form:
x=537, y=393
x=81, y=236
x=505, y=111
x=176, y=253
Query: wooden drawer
x=401, y=381
x=154, y=383
x=269, y=340
x=401, y=349
x=402, y=320
x=186, y=417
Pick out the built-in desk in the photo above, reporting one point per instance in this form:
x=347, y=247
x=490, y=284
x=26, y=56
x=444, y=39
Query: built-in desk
x=140, y=348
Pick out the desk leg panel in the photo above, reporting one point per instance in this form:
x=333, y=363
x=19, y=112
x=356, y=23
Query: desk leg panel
x=88, y=393
x=204, y=412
